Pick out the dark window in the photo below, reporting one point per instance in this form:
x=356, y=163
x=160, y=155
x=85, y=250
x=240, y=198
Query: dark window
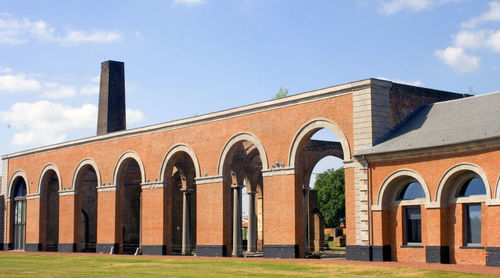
x=412, y=191
x=413, y=227
x=473, y=223
x=474, y=186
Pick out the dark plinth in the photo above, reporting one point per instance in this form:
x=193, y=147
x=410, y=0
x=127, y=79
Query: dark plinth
x=358, y=253
x=105, y=248
x=280, y=251
x=111, y=114
x=493, y=256
x=8, y=246
x=211, y=250
x=33, y=247
x=381, y=253
x=154, y=249
x=66, y=247
x=437, y=254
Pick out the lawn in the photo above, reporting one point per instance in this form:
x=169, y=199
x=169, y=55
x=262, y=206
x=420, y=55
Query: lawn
x=41, y=265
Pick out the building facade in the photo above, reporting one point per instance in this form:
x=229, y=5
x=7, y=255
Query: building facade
x=176, y=187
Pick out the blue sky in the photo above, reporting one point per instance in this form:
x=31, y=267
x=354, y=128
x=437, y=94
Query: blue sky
x=190, y=57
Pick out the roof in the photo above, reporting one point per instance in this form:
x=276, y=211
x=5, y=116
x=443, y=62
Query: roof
x=444, y=123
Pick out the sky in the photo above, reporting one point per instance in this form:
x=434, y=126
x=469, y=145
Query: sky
x=190, y=57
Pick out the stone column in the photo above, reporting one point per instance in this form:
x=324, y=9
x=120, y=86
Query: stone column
x=186, y=250
x=252, y=225
x=237, y=251
x=305, y=189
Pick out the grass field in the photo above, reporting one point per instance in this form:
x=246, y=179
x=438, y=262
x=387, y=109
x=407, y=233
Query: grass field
x=41, y=265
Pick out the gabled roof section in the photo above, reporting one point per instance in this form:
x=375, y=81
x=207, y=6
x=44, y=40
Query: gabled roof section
x=444, y=123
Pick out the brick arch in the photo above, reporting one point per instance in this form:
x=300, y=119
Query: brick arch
x=453, y=172
x=313, y=126
x=123, y=158
x=18, y=174
x=85, y=162
x=392, y=181
x=47, y=168
x=243, y=136
x=173, y=151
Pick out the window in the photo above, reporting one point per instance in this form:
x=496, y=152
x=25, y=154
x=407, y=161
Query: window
x=474, y=186
x=413, y=225
x=411, y=191
x=473, y=224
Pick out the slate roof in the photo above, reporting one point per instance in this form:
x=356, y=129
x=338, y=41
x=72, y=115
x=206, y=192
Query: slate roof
x=444, y=123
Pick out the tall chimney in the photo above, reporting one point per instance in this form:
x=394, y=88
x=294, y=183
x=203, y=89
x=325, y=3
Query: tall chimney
x=111, y=115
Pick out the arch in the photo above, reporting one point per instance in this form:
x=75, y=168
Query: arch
x=497, y=196
x=85, y=162
x=455, y=170
x=125, y=156
x=173, y=151
x=401, y=175
x=18, y=174
x=243, y=136
x=313, y=125
x=47, y=168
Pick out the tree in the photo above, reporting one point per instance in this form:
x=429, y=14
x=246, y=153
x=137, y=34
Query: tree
x=283, y=92
x=331, y=196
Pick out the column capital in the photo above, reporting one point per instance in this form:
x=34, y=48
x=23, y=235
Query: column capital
x=235, y=186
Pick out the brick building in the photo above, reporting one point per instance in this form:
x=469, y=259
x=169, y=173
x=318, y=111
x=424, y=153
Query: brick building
x=176, y=187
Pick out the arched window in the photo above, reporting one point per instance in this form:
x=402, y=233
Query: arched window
x=411, y=191
x=472, y=211
x=412, y=216
x=474, y=186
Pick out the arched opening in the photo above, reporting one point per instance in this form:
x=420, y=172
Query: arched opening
x=49, y=211
x=463, y=199
x=403, y=203
x=180, y=204
x=319, y=175
x=129, y=180
x=86, y=183
x=242, y=174
x=18, y=213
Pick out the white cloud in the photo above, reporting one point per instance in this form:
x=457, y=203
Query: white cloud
x=189, y=2
x=19, y=31
x=493, y=14
x=54, y=90
x=477, y=39
x=134, y=116
x=18, y=82
x=44, y=122
x=394, y=6
x=89, y=90
x=412, y=83
x=457, y=59
x=5, y=69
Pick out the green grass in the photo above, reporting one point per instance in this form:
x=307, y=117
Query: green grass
x=38, y=265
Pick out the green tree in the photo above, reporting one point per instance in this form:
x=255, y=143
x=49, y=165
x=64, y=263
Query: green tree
x=283, y=92
x=331, y=196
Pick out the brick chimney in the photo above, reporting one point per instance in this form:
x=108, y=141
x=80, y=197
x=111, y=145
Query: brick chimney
x=111, y=115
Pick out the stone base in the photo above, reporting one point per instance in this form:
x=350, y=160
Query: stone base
x=211, y=250
x=281, y=251
x=358, y=253
x=493, y=256
x=381, y=253
x=33, y=247
x=66, y=247
x=154, y=249
x=437, y=254
x=105, y=248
